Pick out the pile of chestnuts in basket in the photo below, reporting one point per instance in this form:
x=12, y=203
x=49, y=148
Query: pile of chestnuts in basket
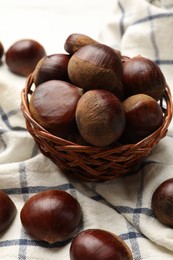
x=93, y=95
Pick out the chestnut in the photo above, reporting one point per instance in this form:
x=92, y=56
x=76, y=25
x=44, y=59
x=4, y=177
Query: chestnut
x=51, y=67
x=7, y=211
x=53, y=104
x=1, y=50
x=142, y=75
x=95, y=66
x=75, y=41
x=92, y=244
x=100, y=117
x=143, y=116
x=162, y=202
x=51, y=216
x=23, y=55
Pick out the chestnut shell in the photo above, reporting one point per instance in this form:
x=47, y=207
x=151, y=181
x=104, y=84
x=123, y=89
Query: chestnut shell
x=23, y=55
x=100, y=117
x=99, y=244
x=7, y=211
x=142, y=75
x=51, y=67
x=75, y=41
x=53, y=104
x=143, y=116
x=162, y=202
x=51, y=216
x=95, y=66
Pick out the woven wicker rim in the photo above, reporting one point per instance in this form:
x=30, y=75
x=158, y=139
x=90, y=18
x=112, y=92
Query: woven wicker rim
x=88, y=162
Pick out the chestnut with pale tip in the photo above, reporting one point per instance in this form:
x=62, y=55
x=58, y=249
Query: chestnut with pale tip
x=75, y=41
x=100, y=117
x=142, y=75
x=92, y=244
x=23, y=55
x=162, y=202
x=51, y=67
x=143, y=116
x=53, y=105
x=95, y=66
x=51, y=216
x=8, y=211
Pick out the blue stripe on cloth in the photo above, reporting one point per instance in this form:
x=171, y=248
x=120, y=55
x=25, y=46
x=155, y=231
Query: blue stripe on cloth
x=97, y=198
x=131, y=235
x=31, y=242
x=153, y=17
x=24, y=190
x=5, y=118
x=133, y=238
x=23, y=181
x=35, y=189
x=136, y=215
x=122, y=29
x=164, y=62
x=129, y=210
x=153, y=36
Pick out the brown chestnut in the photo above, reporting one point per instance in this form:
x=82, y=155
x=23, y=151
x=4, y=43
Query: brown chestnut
x=23, y=55
x=100, y=117
x=7, y=211
x=53, y=104
x=143, y=116
x=51, y=67
x=162, y=202
x=95, y=66
x=1, y=50
x=142, y=75
x=51, y=216
x=92, y=244
x=75, y=41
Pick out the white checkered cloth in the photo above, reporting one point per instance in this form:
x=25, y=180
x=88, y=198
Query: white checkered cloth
x=121, y=206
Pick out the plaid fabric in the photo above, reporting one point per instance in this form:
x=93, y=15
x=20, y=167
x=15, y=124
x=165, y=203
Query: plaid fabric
x=121, y=206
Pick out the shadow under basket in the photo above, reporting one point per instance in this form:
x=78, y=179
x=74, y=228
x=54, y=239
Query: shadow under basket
x=91, y=163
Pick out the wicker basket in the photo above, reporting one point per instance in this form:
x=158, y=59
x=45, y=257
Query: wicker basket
x=94, y=163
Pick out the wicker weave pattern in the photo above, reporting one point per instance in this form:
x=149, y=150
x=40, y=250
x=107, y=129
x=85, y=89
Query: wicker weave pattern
x=94, y=163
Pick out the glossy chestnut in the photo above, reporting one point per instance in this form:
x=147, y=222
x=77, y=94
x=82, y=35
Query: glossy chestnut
x=51, y=216
x=92, y=244
x=23, y=55
x=100, y=117
x=53, y=104
x=162, y=202
x=143, y=116
x=75, y=41
x=8, y=211
x=51, y=67
x=142, y=75
x=95, y=66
